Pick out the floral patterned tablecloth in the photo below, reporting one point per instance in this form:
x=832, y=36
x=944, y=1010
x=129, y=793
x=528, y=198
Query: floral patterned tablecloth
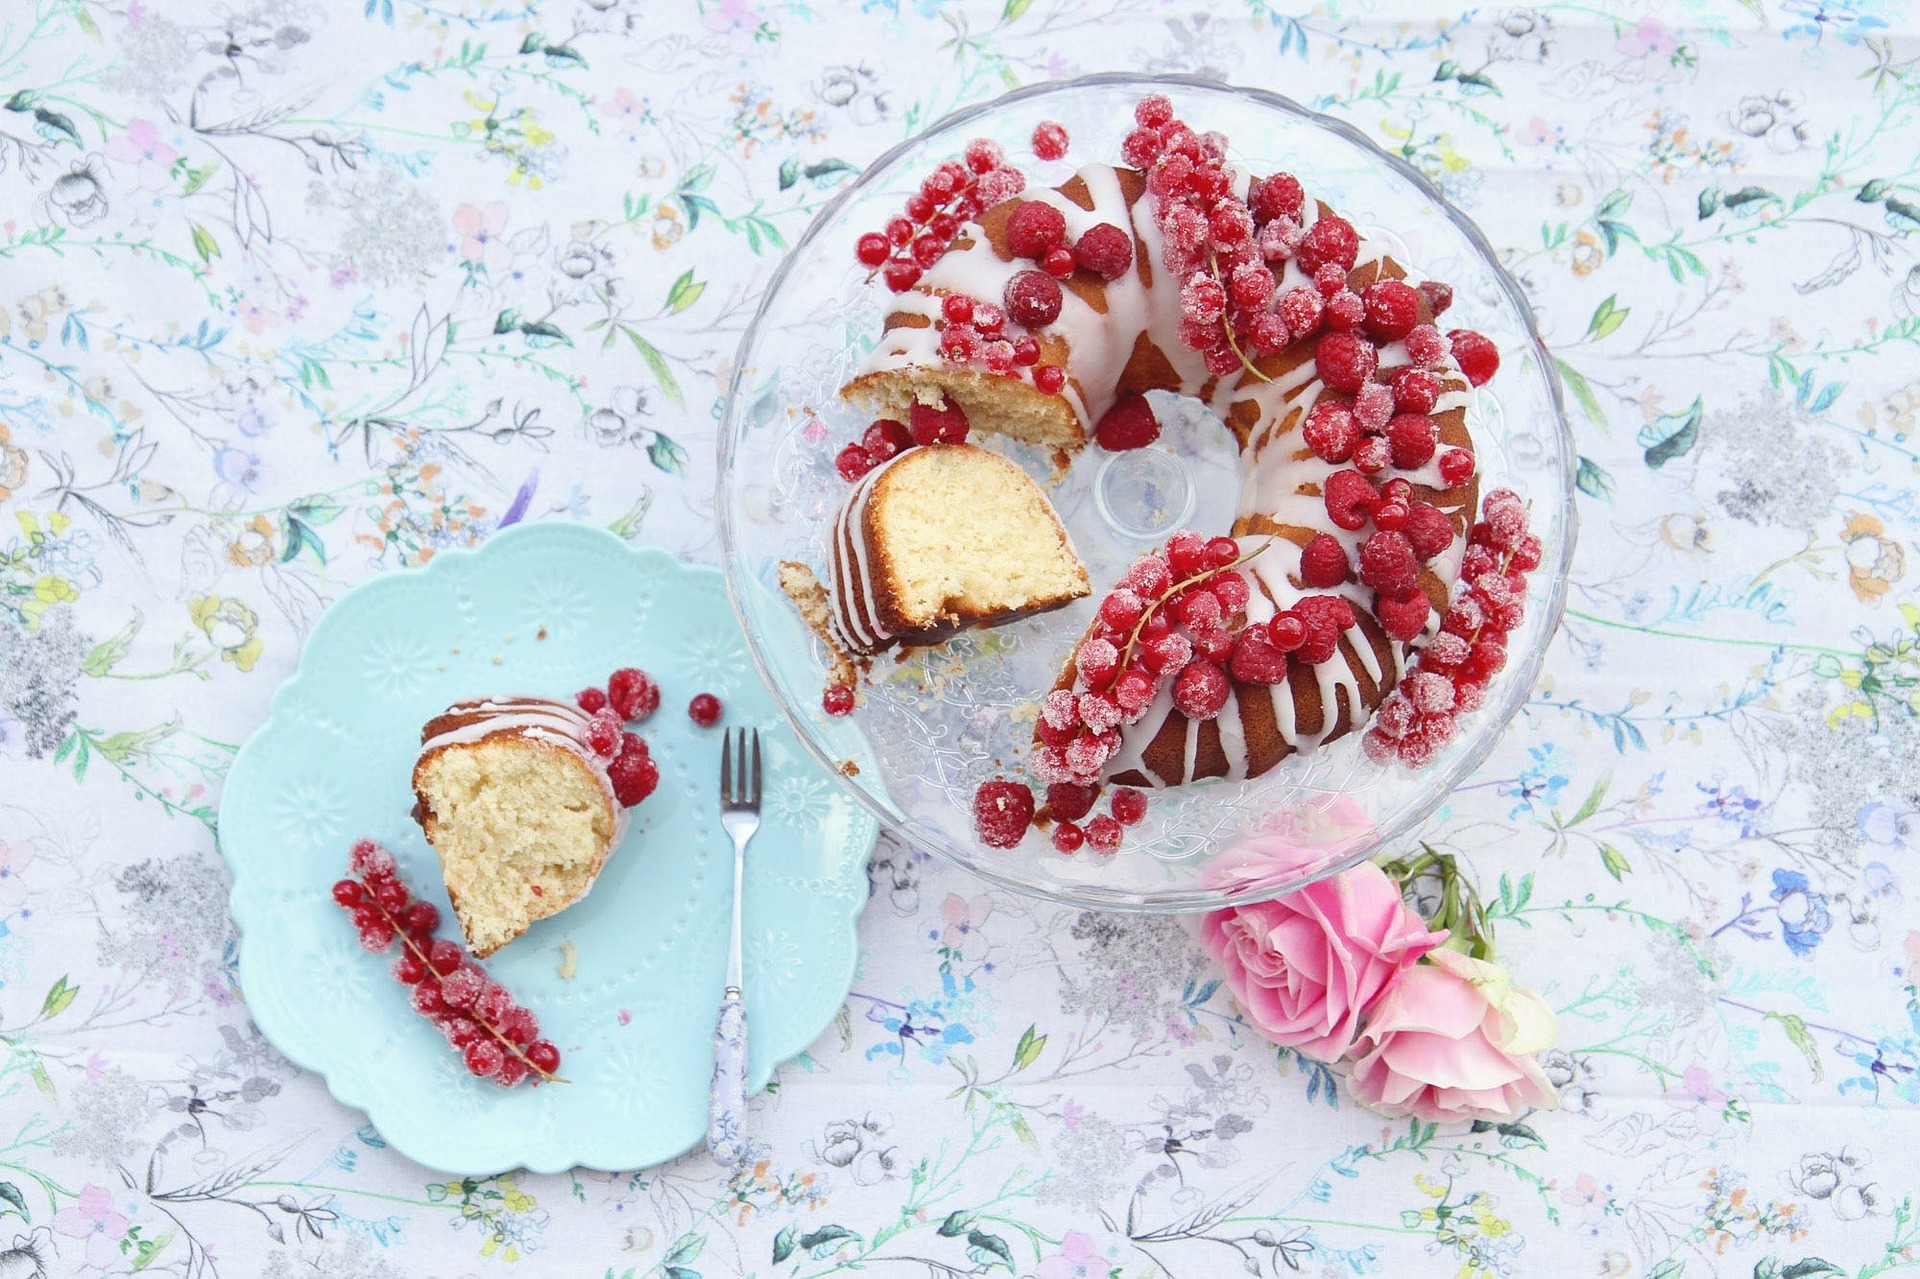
x=293, y=292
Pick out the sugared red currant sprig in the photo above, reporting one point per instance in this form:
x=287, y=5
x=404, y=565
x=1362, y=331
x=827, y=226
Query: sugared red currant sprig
x=956, y=191
x=496, y=1037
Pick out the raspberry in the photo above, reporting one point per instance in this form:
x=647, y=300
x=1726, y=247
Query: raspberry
x=1345, y=361
x=1153, y=111
x=1477, y=356
x=1415, y=391
x=1428, y=529
x=1141, y=148
x=1425, y=346
x=1149, y=577
x=1526, y=554
x=1371, y=455
x=634, y=776
x=1280, y=239
x=885, y=438
x=872, y=249
x=1391, y=516
x=1387, y=564
x=837, y=700
x=1267, y=333
x=1484, y=660
x=543, y=1056
x=1373, y=407
x=1287, y=631
x=704, y=710
x=1413, y=438
x=1351, y=499
x=1105, y=250
x=1200, y=690
x=1231, y=590
x=590, y=699
x=901, y=275
x=1439, y=296
x=1323, y=562
x=1067, y=838
x=1132, y=691
x=1167, y=654
x=1393, y=308
x=946, y=424
x=983, y=154
x=1049, y=140
x=370, y=861
x=1276, y=196
x=603, y=732
x=1128, y=804
x=1058, y=262
x=1129, y=424
x=1049, y=378
x=1070, y=801
x=1330, y=431
x=1099, y=712
x=1202, y=300
x=1103, y=832
x=1327, y=617
x=852, y=462
x=1345, y=311
x=1456, y=467
x=632, y=693
x=1255, y=661
x=1404, y=617
x=1329, y=241
x=1097, y=662
x=1300, y=308
x=1002, y=811
x=347, y=893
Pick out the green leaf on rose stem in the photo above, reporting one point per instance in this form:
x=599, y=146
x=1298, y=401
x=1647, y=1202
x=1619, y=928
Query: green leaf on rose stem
x=1615, y=861
x=1708, y=203
x=204, y=244
x=1582, y=392
x=59, y=996
x=1591, y=804
x=789, y=171
x=988, y=1250
x=958, y=1222
x=1517, y=1136
x=107, y=654
x=783, y=1245
x=1607, y=317
x=1672, y=434
x=657, y=363
x=1874, y=191
x=1802, y=1038
x=685, y=292
x=1028, y=1049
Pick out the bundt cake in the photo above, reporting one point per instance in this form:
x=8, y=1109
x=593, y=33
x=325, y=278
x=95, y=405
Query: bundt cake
x=1045, y=317
x=520, y=809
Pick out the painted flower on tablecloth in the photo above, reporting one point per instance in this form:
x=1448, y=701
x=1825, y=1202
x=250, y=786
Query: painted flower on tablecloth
x=1732, y=804
x=1838, y=1178
x=482, y=234
x=1539, y=784
x=13, y=463
x=79, y=193
x=94, y=1220
x=1804, y=917
x=1650, y=39
x=13, y=889
x=1773, y=118
x=962, y=917
x=1874, y=560
x=252, y=546
x=1078, y=1258
x=666, y=225
x=1587, y=255
x=1851, y=22
x=231, y=626
x=141, y=147
x=859, y=1147
x=240, y=468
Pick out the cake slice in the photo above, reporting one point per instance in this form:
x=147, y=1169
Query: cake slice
x=520, y=809
x=939, y=539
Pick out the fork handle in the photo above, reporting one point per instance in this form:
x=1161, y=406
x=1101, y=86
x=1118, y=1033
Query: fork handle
x=727, y=1093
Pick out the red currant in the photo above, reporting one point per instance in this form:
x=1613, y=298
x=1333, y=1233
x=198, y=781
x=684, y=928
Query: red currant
x=704, y=710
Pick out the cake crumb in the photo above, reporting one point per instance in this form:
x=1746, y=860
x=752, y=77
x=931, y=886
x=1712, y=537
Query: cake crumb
x=496, y=659
x=625, y=1017
x=569, y=961
x=849, y=769
x=542, y=634
x=455, y=649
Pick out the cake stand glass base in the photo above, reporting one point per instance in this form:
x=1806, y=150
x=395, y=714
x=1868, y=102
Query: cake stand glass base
x=1145, y=494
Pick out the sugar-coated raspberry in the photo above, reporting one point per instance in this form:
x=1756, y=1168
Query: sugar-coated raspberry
x=901, y=274
x=1128, y=805
x=1428, y=530
x=1049, y=378
x=704, y=710
x=348, y=893
x=1153, y=111
x=837, y=700
x=1412, y=438
x=1033, y=298
x=1067, y=838
x=1049, y=140
x=1103, y=834
x=370, y=861
x=1415, y=390
x=634, y=776
x=1331, y=431
x=1425, y=346
x=1444, y=652
x=885, y=437
x=543, y=1056
x=1392, y=309
x=1329, y=241
x=1485, y=658
x=1403, y=617
x=1129, y=424
x=1099, y=712
x=1231, y=590
x=1469, y=695
x=852, y=462
x=1456, y=467
x=1345, y=361
x=1266, y=334
x=1171, y=176
x=1351, y=499
x=1328, y=279
x=1002, y=810
x=1327, y=617
x=1166, y=654
x=590, y=699
x=1276, y=196
x=1255, y=660
x=944, y=424
x=1464, y=617
x=1097, y=662
x=1301, y=309
x=1526, y=553
x=1279, y=240
x=1477, y=356
x=1324, y=563
x=872, y=249
x=1200, y=690
x=1345, y=311
x=1372, y=407
x=602, y=733
x=1387, y=564
x=1105, y=250
x=1439, y=296
x=983, y=154
x=1070, y=801
x=1202, y=300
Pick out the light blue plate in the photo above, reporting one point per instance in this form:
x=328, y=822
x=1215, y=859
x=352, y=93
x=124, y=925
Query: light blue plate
x=544, y=608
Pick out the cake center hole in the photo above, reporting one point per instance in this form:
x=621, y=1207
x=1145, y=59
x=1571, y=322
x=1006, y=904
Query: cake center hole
x=1145, y=493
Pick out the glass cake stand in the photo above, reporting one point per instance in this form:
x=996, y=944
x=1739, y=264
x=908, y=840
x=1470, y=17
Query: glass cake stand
x=946, y=719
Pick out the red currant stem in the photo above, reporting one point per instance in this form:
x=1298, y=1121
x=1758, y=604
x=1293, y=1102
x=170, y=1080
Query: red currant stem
x=1226, y=321
x=1133, y=636
x=433, y=975
x=900, y=251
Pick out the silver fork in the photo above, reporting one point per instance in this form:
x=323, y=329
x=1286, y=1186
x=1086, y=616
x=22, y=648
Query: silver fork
x=727, y=1093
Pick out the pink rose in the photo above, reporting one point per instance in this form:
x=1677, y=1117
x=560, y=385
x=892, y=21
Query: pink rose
x=1307, y=967
x=1453, y=1039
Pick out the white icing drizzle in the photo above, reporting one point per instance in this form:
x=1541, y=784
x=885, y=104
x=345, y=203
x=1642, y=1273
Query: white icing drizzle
x=1282, y=478
x=541, y=719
